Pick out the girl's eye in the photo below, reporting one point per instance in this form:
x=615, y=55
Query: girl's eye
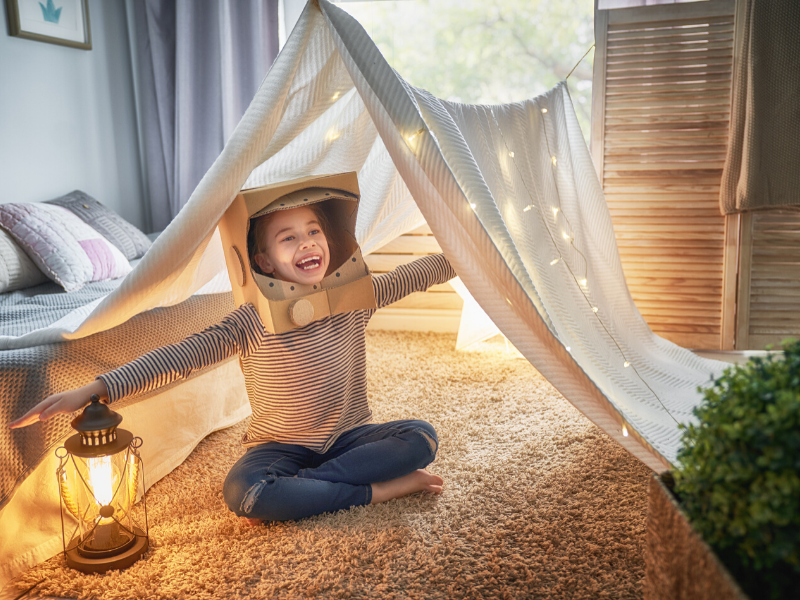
x=313, y=231
x=288, y=238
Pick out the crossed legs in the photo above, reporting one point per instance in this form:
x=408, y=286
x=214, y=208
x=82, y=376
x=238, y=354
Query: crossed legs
x=366, y=465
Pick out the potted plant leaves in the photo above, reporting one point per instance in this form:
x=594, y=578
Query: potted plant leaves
x=737, y=480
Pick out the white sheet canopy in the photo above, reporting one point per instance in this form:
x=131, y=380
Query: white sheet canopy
x=509, y=191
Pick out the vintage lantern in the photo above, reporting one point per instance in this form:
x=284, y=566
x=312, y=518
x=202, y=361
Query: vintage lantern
x=99, y=477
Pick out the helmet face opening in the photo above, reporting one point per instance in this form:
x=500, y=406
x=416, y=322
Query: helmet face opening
x=285, y=305
x=337, y=211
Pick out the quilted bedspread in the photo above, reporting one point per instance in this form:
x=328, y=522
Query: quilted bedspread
x=31, y=374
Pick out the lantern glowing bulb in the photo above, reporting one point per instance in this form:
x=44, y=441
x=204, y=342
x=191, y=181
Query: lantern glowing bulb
x=101, y=479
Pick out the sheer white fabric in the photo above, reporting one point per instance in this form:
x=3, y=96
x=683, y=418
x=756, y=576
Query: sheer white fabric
x=487, y=181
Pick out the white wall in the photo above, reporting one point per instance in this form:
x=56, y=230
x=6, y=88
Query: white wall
x=67, y=117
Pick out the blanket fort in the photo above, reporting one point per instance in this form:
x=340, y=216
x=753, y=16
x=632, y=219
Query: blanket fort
x=509, y=191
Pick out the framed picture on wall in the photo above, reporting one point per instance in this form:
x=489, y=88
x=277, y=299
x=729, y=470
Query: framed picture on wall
x=64, y=22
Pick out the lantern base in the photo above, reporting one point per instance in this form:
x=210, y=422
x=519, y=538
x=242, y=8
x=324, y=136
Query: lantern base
x=100, y=565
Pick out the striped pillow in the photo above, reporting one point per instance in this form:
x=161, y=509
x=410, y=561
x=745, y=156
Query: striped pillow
x=64, y=248
x=132, y=242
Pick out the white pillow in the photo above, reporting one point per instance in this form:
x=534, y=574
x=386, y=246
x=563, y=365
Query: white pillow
x=17, y=271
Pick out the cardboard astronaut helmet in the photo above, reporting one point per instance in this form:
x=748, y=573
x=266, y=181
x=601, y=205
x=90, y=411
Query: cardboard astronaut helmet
x=284, y=305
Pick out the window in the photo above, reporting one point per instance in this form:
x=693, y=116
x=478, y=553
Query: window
x=479, y=51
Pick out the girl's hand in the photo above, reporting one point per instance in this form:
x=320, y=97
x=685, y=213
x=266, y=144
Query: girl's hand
x=63, y=402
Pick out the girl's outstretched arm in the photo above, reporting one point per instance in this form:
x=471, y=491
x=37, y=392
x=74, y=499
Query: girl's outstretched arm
x=63, y=402
x=416, y=276
x=237, y=333
x=240, y=332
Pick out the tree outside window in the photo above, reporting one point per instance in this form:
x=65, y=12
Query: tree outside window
x=486, y=51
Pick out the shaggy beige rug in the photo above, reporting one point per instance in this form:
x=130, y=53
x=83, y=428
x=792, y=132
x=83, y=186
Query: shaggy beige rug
x=538, y=503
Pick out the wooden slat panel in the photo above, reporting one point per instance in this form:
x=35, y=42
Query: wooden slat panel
x=666, y=99
x=427, y=300
x=774, y=294
x=421, y=230
x=658, y=51
x=411, y=244
x=677, y=100
x=669, y=60
x=674, y=13
x=438, y=299
x=661, y=91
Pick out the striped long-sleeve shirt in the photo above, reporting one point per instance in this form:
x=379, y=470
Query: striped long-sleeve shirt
x=306, y=386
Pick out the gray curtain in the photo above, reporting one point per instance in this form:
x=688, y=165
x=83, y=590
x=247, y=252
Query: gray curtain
x=199, y=64
x=762, y=167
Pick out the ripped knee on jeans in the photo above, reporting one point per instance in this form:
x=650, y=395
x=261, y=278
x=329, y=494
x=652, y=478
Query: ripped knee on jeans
x=251, y=496
x=430, y=440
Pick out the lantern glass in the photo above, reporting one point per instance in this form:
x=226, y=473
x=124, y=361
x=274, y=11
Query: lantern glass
x=99, y=492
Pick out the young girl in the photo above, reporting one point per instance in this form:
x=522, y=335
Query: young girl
x=310, y=448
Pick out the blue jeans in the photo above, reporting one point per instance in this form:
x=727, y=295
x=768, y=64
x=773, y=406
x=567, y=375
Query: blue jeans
x=282, y=482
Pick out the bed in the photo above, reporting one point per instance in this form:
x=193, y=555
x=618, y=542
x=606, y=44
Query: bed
x=171, y=421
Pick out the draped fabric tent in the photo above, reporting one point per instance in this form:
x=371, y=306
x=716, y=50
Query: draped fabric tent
x=509, y=191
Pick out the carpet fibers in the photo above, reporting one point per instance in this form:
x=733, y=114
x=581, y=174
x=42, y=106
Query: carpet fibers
x=538, y=503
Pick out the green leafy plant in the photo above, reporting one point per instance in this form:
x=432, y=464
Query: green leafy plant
x=739, y=472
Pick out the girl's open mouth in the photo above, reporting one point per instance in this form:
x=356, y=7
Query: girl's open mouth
x=309, y=263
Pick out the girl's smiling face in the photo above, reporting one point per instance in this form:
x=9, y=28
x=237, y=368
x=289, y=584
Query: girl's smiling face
x=296, y=247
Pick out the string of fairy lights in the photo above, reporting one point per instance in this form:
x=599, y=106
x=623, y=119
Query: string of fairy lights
x=567, y=234
x=581, y=278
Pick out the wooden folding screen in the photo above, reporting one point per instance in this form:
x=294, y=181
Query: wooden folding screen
x=660, y=111
x=769, y=284
x=438, y=309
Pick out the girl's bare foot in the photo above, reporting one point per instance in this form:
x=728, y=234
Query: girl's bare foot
x=253, y=522
x=418, y=481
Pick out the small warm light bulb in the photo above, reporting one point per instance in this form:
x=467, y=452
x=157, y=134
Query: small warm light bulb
x=333, y=134
x=555, y=211
x=627, y=364
x=527, y=208
x=335, y=96
x=595, y=309
x=554, y=160
x=552, y=262
x=509, y=302
x=544, y=110
x=414, y=135
x=625, y=430
x=583, y=282
x=511, y=154
x=569, y=349
x=567, y=236
x=472, y=205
